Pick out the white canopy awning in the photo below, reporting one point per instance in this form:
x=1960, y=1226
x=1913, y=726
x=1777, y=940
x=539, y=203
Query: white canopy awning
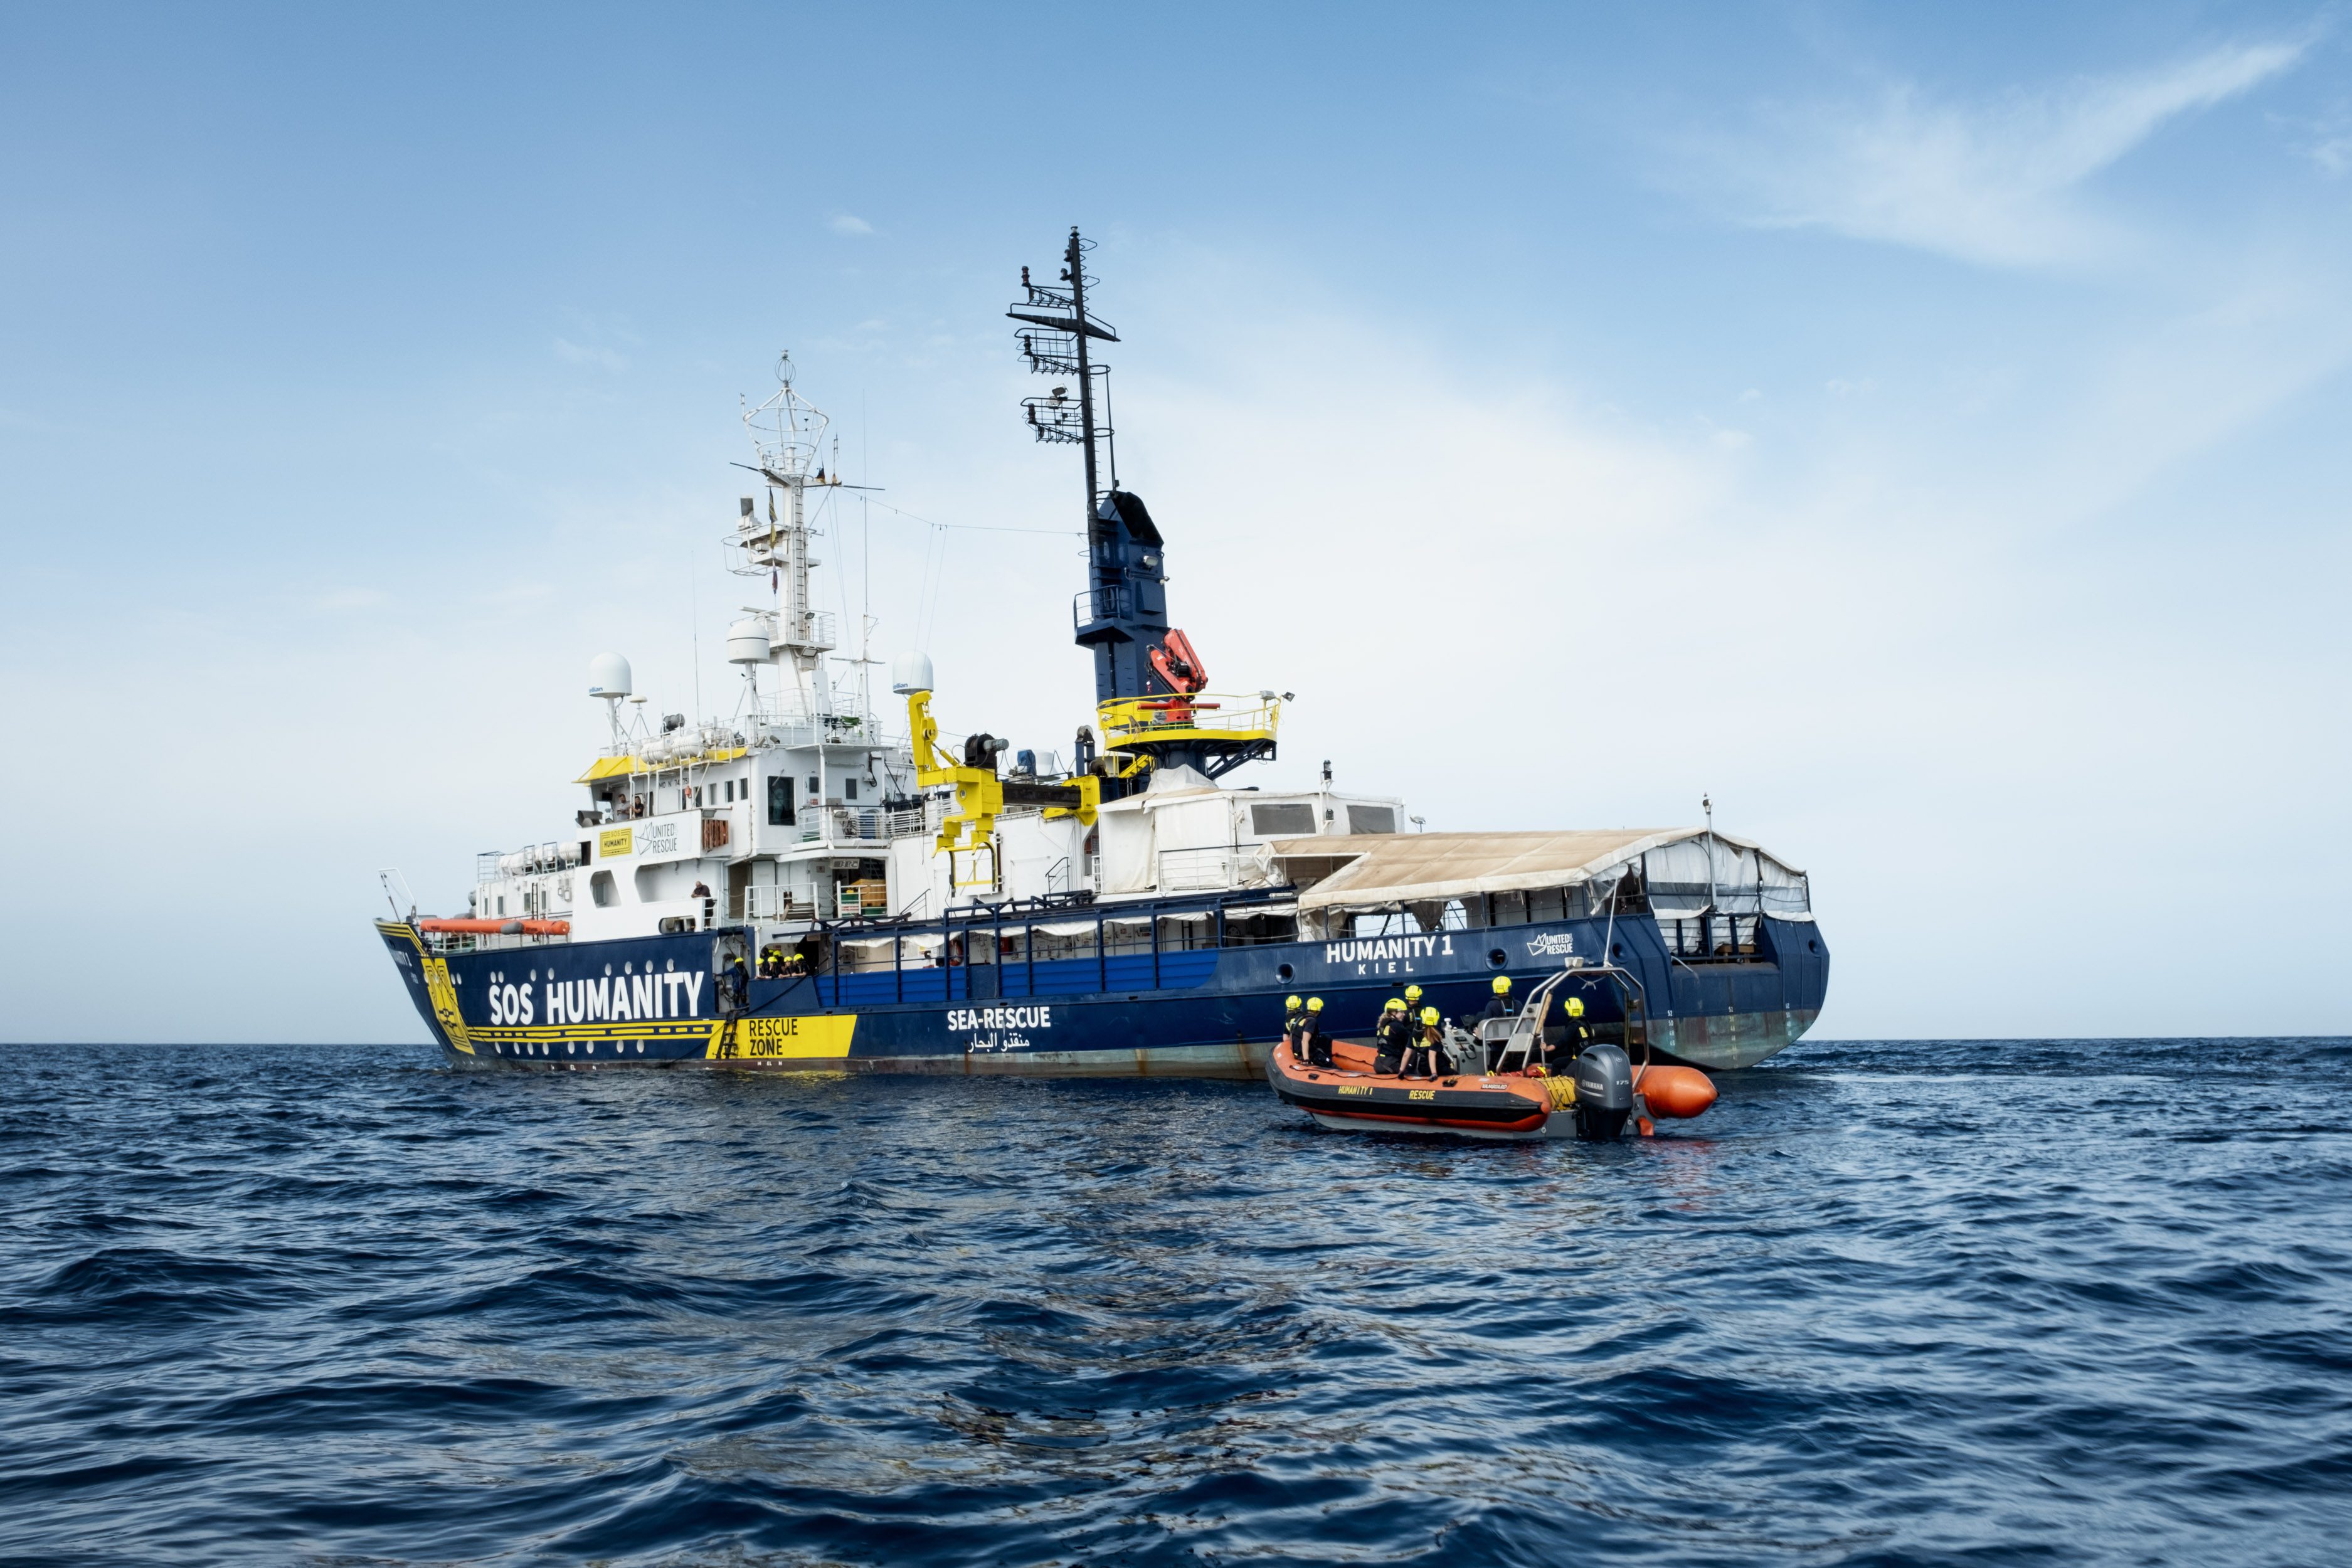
x=1408, y=868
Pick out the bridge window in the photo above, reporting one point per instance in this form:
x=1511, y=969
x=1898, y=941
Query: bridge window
x=1296, y=820
x=780, y=802
x=1372, y=819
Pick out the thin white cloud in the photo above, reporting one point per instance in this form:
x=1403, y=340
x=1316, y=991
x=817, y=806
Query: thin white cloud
x=578, y=354
x=2327, y=141
x=1995, y=182
x=849, y=224
x=336, y=599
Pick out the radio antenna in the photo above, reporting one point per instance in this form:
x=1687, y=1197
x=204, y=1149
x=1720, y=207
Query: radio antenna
x=1054, y=343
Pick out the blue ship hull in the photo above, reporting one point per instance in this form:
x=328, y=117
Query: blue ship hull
x=1209, y=1011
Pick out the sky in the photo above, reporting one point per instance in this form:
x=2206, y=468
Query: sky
x=1920, y=429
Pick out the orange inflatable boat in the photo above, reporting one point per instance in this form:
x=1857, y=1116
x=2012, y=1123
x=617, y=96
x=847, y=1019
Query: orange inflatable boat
x=1595, y=1099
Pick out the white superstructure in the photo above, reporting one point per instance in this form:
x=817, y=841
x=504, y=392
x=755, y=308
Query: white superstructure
x=802, y=807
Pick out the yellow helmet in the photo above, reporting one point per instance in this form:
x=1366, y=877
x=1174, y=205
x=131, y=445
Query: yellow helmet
x=1315, y=1004
x=1411, y=994
x=1291, y=1003
x=1394, y=1005
x=1501, y=983
x=1576, y=1006
x=1429, y=1015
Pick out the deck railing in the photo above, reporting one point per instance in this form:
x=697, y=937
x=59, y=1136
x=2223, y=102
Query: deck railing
x=1213, y=715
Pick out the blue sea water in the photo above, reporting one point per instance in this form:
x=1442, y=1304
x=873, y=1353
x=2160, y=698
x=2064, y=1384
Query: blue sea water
x=2061, y=1302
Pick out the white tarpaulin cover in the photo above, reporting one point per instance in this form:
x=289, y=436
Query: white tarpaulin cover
x=1124, y=865
x=1412, y=866
x=873, y=945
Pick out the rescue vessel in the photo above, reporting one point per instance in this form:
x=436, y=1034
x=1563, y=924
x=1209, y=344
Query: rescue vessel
x=806, y=884
x=1517, y=1077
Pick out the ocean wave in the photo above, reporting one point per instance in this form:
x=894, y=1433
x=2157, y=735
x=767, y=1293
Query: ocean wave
x=1916, y=1302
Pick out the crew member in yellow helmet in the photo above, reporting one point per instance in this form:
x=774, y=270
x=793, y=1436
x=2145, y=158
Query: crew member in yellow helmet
x=1294, y=1026
x=1390, y=1035
x=1573, y=1038
x=1318, y=1043
x=1499, y=1005
x=1421, y=1057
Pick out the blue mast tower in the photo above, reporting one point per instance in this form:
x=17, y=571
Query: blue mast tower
x=1149, y=680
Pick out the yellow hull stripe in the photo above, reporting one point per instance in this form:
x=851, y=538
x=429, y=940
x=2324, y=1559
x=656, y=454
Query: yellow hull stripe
x=445, y=1002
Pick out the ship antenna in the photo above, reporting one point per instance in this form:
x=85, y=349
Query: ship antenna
x=1146, y=671
x=1706, y=804
x=1056, y=344
x=787, y=435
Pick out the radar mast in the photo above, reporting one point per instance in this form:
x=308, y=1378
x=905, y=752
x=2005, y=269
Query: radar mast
x=787, y=434
x=1149, y=679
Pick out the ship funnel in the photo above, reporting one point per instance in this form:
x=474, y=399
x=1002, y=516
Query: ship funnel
x=911, y=673
x=608, y=677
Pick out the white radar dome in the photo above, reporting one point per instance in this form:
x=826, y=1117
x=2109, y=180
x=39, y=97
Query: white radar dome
x=911, y=672
x=747, y=640
x=608, y=676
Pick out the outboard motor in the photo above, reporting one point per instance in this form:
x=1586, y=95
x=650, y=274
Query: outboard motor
x=1604, y=1092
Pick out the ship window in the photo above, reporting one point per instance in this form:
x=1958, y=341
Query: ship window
x=1294, y=820
x=502, y=903
x=849, y=789
x=1372, y=819
x=780, y=802
x=816, y=788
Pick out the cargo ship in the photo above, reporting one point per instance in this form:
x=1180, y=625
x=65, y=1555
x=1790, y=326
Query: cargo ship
x=806, y=884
